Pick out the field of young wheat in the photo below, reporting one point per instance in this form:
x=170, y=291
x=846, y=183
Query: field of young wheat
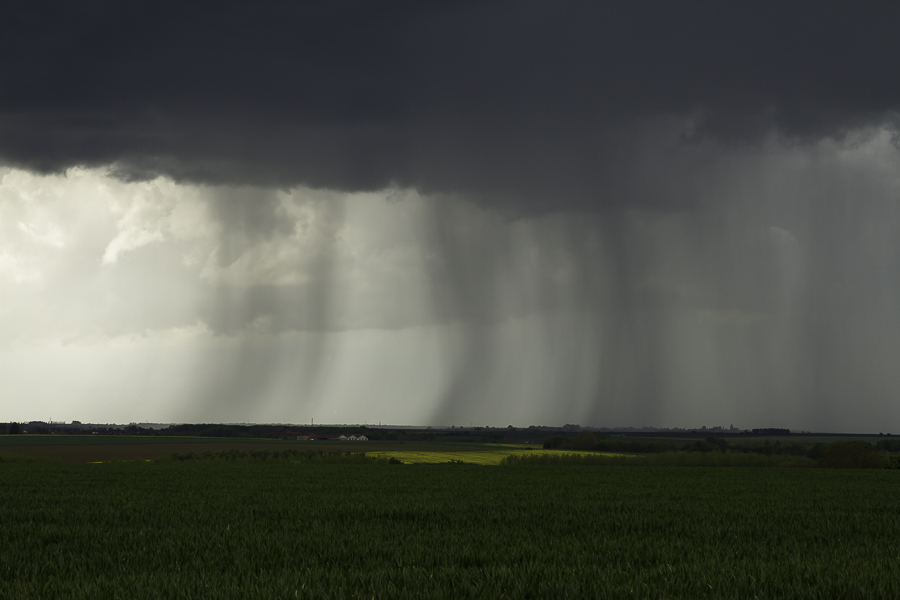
x=218, y=529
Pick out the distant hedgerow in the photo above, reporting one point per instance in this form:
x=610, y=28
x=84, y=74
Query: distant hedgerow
x=666, y=459
x=260, y=456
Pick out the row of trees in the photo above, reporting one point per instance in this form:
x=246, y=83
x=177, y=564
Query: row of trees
x=837, y=454
x=587, y=440
x=226, y=431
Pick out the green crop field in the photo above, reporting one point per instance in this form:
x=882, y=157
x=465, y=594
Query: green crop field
x=300, y=530
x=101, y=448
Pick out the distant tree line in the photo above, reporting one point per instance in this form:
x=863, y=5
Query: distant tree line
x=888, y=445
x=837, y=454
x=276, y=431
x=586, y=440
x=232, y=431
x=40, y=428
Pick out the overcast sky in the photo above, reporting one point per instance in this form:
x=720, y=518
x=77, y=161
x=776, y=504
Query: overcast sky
x=460, y=213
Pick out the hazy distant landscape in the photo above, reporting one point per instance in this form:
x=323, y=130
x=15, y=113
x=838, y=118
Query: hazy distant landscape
x=80, y=442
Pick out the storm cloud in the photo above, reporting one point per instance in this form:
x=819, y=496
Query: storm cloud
x=615, y=214
x=527, y=104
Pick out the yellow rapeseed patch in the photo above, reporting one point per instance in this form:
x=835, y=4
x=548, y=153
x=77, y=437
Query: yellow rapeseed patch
x=478, y=457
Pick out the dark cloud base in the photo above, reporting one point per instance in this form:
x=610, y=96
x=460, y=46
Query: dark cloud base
x=524, y=104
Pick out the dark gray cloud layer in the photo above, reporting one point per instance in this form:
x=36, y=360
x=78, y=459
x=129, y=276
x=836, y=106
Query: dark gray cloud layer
x=535, y=101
